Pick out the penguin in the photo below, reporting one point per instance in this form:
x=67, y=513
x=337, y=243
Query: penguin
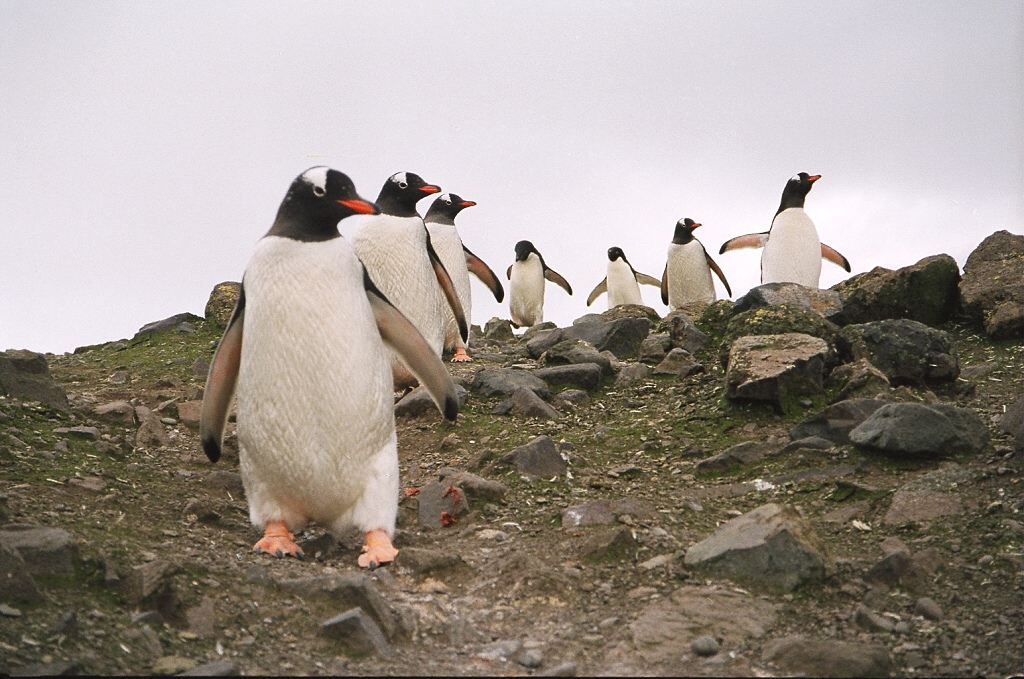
x=526, y=285
x=304, y=355
x=792, y=250
x=459, y=262
x=687, y=276
x=622, y=281
x=396, y=249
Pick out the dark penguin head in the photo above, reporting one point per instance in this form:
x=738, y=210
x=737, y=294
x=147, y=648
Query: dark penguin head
x=524, y=249
x=445, y=207
x=684, y=231
x=316, y=201
x=401, y=192
x=617, y=253
x=796, y=190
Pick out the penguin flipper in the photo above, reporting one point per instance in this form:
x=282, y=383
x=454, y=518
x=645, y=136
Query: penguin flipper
x=751, y=240
x=557, y=279
x=721, y=276
x=508, y=274
x=220, y=383
x=448, y=288
x=601, y=288
x=664, y=286
x=647, y=280
x=479, y=268
x=834, y=257
x=402, y=336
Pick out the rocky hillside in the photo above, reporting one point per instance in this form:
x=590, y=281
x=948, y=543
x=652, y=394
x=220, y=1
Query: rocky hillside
x=819, y=482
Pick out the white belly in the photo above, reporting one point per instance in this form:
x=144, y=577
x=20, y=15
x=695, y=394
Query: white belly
x=526, y=292
x=394, y=251
x=689, y=277
x=448, y=245
x=793, y=251
x=315, y=420
x=622, y=285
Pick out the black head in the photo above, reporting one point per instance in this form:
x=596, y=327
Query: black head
x=523, y=250
x=445, y=207
x=684, y=231
x=617, y=253
x=316, y=201
x=401, y=192
x=796, y=190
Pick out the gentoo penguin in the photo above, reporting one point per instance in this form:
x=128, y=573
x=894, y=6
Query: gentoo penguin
x=526, y=287
x=792, y=251
x=460, y=262
x=622, y=281
x=687, y=276
x=304, y=352
x=395, y=247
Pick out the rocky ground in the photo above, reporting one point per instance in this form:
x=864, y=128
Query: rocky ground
x=631, y=495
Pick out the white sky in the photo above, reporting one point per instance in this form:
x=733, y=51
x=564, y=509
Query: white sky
x=145, y=146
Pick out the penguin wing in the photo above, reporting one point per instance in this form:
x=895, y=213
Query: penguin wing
x=402, y=336
x=647, y=280
x=664, y=285
x=557, y=279
x=834, y=257
x=751, y=240
x=445, y=281
x=221, y=381
x=479, y=268
x=601, y=288
x=718, y=272
x=508, y=274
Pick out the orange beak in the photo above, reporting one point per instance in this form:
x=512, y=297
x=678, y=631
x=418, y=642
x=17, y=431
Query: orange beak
x=360, y=206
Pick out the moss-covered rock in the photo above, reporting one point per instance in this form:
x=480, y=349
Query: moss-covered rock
x=778, y=320
x=926, y=292
x=222, y=303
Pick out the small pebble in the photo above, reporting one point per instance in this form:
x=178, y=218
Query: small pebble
x=927, y=608
x=531, y=658
x=9, y=612
x=705, y=645
x=985, y=560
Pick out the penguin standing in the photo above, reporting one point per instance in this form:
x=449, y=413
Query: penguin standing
x=304, y=353
x=395, y=247
x=526, y=285
x=459, y=262
x=622, y=281
x=687, y=276
x=792, y=250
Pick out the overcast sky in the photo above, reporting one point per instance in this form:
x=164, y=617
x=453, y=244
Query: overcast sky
x=146, y=146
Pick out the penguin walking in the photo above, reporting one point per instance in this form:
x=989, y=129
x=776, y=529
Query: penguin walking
x=396, y=249
x=459, y=262
x=526, y=285
x=687, y=276
x=792, y=250
x=304, y=354
x=622, y=283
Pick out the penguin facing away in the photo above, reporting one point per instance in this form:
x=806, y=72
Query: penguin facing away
x=396, y=249
x=687, y=276
x=304, y=355
x=526, y=285
x=622, y=281
x=792, y=250
x=459, y=262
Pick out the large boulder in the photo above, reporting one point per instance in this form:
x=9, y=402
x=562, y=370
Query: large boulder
x=504, y=382
x=622, y=336
x=684, y=334
x=221, y=303
x=906, y=351
x=825, y=303
x=925, y=292
x=992, y=288
x=918, y=429
x=777, y=369
x=575, y=352
x=26, y=375
x=837, y=421
x=776, y=320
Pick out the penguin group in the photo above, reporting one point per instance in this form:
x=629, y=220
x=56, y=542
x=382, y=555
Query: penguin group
x=326, y=330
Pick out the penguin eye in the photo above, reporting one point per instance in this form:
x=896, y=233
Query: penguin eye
x=319, y=191
x=403, y=185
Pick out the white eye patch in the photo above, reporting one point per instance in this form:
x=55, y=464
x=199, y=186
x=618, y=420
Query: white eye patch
x=795, y=178
x=446, y=197
x=317, y=177
x=400, y=178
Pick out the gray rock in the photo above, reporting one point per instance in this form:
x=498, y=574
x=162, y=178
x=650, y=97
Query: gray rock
x=537, y=330
x=744, y=453
x=476, y=487
x=826, y=303
x=617, y=544
x=498, y=330
x=439, y=503
x=418, y=402
x=230, y=482
x=45, y=551
x=581, y=375
x=595, y=512
x=705, y=645
x=926, y=292
x=574, y=352
x=776, y=320
x=653, y=349
x=1013, y=423
x=357, y=632
x=678, y=362
x=221, y=668
x=148, y=580
x=898, y=568
x=200, y=367
x=355, y=590
x=931, y=495
x=542, y=341
x=26, y=375
x=860, y=379
x=684, y=334
x=524, y=402
x=992, y=288
x=118, y=412
x=928, y=609
x=837, y=421
x=776, y=369
x=504, y=382
x=771, y=547
x=622, y=336
x=189, y=413
x=538, y=459
x=918, y=429
x=81, y=432
x=809, y=443
x=828, y=657
x=906, y=351
x=166, y=324
x=144, y=642
x=531, y=658
x=61, y=668
x=571, y=397
x=202, y=618
x=566, y=669
x=873, y=622
x=16, y=583
x=631, y=374
x=151, y=432
x=420, y=561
